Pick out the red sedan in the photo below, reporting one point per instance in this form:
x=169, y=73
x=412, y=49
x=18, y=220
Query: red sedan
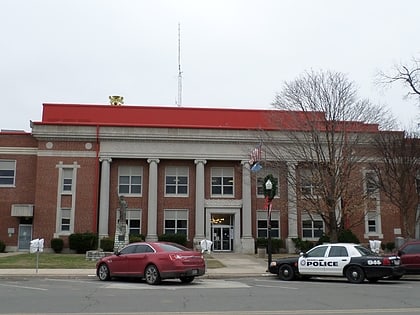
x=152, y=261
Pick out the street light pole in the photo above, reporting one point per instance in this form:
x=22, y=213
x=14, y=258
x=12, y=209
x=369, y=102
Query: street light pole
x=268, y=188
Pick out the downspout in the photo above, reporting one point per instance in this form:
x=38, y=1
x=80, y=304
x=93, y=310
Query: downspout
x=96, y=204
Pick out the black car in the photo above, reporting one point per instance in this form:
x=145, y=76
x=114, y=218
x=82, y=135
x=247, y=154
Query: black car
x=352, y=261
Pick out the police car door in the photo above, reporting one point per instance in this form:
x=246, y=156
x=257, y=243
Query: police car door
x=337, y=258
x=312, y=263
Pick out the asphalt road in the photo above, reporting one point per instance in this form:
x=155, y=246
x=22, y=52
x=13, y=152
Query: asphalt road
x=245, y=296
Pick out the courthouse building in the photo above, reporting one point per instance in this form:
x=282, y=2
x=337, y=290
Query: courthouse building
x=180, y=170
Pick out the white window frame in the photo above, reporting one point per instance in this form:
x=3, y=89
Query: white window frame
x=180, y=173
x=314, y=221
x=223, y=174
x=308, y=187
x=7, y=166
x=61, y=170
x=131, y=172
x=176, y=215
x=262, y=216
x=65, y=217
x=372, y=207
x=370, y=189
x=67, y=180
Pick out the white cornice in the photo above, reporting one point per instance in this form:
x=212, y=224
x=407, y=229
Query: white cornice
x=18, y=150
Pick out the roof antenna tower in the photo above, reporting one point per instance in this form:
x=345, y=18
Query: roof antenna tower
x=179, y=100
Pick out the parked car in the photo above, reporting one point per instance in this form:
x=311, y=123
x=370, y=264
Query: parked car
x=409, y=253
x=352, y=261
x=152, y=261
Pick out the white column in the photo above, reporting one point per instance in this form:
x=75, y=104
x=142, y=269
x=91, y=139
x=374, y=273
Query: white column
x=248, y=244
x=104, y=198
x=152, y=201
x=199, y=201
x=292, y=208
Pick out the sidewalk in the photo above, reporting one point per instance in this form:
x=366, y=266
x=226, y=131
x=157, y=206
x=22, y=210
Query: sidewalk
x=236, y=265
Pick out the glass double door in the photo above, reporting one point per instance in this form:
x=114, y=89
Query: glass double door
x=222, y=237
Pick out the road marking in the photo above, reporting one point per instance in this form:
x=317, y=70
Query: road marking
x=275, y=312
x=203, y=284
x=22, y=287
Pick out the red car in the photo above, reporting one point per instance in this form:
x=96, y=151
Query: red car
x=152, y=261
x=409, y=253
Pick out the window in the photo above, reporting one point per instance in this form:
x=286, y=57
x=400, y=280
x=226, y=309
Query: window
x=371, y=221
x=222, y=181
x=67, y=182
x=176, y=222
x=129, y=180
x=260, y=183
x=318, y=252
x=308, y=183
x=262, y=228
x=176, y=181
x=371, y=183
x=338, y=251
x=7, y=173
x=134, y=222
x=312, y=228
x=65, y=220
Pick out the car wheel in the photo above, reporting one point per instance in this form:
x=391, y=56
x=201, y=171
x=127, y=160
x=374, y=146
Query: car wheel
x=286, y=273
x=355, y=274
x=152, y=275
x=103, y=273
x=186, y=279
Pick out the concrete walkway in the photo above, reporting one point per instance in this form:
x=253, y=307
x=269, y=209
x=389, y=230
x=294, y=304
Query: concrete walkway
x=236, y=265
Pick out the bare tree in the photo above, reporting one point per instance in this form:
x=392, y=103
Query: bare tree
x=330, y=141
x=398, y=173
x=408, y=75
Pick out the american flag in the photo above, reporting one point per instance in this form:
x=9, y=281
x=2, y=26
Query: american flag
x=255, y=155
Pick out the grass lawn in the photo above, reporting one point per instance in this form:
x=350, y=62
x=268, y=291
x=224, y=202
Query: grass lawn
x=46, y=261
x=64, y=261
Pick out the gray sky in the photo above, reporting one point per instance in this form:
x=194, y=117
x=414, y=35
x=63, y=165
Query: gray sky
x=234, y=53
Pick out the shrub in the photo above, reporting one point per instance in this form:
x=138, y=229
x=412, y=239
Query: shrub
x=302, y=246
x=2, y=247
x=132, y=238
x=276, y=244
x=107, y=244
x=390, y=246
x=82, y=242
x=347, y=236
x=57, y=245
x=261, y=242
x=174, y=238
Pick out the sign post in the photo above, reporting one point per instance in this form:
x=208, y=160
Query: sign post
x=37, y=246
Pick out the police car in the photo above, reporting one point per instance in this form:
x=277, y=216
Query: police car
x=352, y=261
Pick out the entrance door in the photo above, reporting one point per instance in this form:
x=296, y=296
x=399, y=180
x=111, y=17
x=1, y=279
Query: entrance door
x=221, y=238
x=25, y=236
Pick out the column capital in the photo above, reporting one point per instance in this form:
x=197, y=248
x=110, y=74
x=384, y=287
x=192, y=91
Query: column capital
x=198, y=161
x=245, y=163
x=105, y=159
x=153, y=160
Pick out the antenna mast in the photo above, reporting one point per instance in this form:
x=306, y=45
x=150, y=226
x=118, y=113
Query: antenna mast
x=179, y=101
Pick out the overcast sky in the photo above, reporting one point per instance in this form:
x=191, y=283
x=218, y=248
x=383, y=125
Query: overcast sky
x=234, y=54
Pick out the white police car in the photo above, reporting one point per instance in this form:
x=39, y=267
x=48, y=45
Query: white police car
x=352, y=261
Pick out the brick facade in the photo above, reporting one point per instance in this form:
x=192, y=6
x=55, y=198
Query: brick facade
x=77, y=139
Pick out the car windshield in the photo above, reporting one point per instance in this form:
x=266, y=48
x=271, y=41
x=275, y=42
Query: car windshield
x=172, y=247
x=365, y=251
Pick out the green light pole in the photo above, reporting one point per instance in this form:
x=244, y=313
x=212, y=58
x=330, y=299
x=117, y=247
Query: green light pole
x=269, y=189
